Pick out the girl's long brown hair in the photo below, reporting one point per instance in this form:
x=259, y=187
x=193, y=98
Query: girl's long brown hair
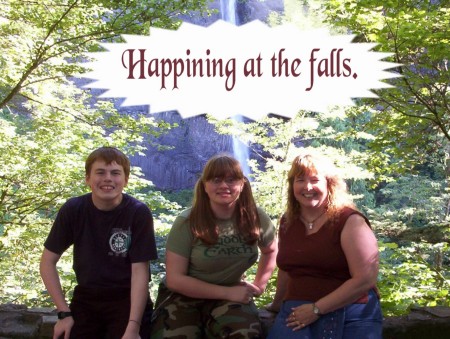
x=202, y=220
x=338, y=196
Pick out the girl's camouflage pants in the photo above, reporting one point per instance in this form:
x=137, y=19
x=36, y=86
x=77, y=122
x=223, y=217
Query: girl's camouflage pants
x=179, y=317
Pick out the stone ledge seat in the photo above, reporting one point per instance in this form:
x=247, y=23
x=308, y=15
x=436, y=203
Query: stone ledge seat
x=18, y=321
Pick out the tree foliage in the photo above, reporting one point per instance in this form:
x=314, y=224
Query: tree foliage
x=42, y=39
x=412, y=119
x=275, y=141
x=403, y=132
x=48, y=125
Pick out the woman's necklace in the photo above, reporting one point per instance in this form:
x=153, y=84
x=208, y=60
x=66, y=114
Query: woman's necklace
x=311, y=223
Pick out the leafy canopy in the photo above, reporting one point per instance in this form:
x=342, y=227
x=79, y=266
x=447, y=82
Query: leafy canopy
x=48, y=125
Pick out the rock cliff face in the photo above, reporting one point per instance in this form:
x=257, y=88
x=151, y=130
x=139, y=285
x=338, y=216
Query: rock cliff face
x=195, y=140
x=192, y=143
x=257, y=9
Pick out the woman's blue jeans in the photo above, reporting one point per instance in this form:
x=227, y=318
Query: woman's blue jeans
x=361, y=321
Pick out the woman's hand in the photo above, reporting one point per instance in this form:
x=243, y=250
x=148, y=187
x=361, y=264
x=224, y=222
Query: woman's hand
x=301, y=316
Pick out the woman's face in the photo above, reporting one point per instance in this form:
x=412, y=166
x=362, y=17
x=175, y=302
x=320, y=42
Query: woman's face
x=224, y=191
x=311, y=190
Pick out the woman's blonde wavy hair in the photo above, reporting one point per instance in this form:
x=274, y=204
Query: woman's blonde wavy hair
x=313, y=164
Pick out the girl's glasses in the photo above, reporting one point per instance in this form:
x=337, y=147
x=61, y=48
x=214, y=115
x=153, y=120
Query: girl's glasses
x=230, y=181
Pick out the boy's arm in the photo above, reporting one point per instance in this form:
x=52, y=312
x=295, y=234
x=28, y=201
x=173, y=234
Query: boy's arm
x=139, y=297
x=51, y=281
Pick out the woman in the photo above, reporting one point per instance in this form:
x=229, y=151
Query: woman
x=327, y=259
x=208, y=250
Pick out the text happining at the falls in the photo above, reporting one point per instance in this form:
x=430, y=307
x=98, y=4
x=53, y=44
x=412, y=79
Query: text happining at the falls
x=171, y=71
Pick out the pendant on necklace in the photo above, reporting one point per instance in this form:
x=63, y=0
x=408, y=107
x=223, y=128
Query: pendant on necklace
x=311, y=223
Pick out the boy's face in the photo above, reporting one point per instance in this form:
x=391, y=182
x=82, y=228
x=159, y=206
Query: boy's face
x=106, y=182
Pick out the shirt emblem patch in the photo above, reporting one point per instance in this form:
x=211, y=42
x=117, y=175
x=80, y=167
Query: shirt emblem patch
x=119, y=242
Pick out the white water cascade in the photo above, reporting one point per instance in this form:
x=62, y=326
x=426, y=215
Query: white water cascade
x=240, y=149
x=228, y=10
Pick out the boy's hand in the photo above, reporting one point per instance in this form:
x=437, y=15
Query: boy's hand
x=132, y=331
x=63, y=326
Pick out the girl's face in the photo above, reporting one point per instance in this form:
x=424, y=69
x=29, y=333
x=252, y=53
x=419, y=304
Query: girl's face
x=311, y=190
x=224, y=191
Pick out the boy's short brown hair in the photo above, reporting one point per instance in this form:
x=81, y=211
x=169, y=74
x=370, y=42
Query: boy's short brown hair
x=108, y=155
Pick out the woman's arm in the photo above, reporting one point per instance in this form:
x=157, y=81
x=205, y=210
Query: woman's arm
x=282, y=280
x=179, y=281
x=361, y=251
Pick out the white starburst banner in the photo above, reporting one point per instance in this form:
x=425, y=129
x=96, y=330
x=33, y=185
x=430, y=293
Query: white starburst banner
x=250, y=70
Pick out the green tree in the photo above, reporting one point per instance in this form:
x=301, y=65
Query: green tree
x=48, y=125
x=412, y=119
x=411, y=124
x=276, y=141
x=42, y=40
x=378, y=135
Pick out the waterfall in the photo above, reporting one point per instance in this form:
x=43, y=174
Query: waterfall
x=228, y=10
x=240, y=149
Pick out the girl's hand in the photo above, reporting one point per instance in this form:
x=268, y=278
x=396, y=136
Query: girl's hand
x=241, y=293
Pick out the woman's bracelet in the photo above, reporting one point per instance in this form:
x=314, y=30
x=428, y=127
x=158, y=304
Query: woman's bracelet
x=135, y=321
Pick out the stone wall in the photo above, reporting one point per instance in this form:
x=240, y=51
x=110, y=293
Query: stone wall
x=18, y=321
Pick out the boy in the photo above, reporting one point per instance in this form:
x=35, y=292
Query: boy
x=113, y=238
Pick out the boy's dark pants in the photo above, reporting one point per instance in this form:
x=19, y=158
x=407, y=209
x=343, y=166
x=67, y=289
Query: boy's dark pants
x=104, y=313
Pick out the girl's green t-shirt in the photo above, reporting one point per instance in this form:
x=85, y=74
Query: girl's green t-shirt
x=225, y=262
